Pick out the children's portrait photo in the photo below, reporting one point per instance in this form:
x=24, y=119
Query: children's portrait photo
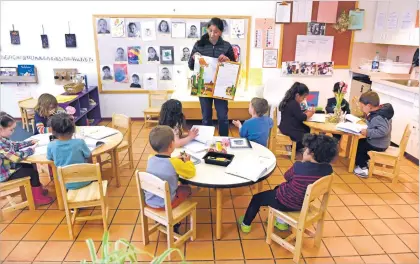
x=106, y=73
x=135, y=81
x=193, y=30
x=165, y=73
x=133, y=29
x=185, y=51
x=163, y=27
x=317, y=29
x=102, y=26
x=152, y=54
x=120, y=54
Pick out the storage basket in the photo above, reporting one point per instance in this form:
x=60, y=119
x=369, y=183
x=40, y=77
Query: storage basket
x=74, y=88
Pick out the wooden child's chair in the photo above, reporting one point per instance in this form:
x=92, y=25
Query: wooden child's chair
x=300, y=221
x=10, y=187
x=89, y=196
x=277, y=139
x=27, y=115
x=156, y=99
x=165, y=220
x=392, y=158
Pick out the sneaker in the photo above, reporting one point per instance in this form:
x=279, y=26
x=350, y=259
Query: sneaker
x=244, y=228
x=281, y=226
x=361, y=172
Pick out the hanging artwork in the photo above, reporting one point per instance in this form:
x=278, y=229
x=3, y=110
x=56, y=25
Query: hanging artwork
x=134, y=55
x=236, y=52
x=167, y=54
x=264, y=33
x=44, y=41
x=148, y=30
x=117, y=27
x=203, y=28
x=70, y=40
x=120, y=71
x=237, y=28
x=14, y=37
x=150, y=81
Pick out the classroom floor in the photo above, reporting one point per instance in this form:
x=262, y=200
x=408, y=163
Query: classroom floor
x=367, y=222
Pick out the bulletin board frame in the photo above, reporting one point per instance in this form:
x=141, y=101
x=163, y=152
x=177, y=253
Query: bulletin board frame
x=345, y=40
x=245, y=55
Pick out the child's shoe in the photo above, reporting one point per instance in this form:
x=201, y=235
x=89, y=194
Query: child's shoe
x=280, y=225
x=39, y=198
x=244, y=228
x=361, y=172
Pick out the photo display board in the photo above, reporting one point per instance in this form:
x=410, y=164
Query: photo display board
x=139, y=53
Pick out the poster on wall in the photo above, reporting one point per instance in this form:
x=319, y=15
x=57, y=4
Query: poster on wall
x=70, y=40
x=44, y=41
x=356, y=19
x=264, y=28
x=316, y=29
x=193, y=29
x=102, y=26
x=165, y=73
x=134, y=55
x=135, y=81
x=121, y=73
x=185, y=54
x=236, y=52
x=237, y=28
x=152, y=54
x=117, y=28
x=150, y=81
x=167, y=54
x=14, y=37
x=270, y=58
x=133, y=29
x=148, y=30
x=163, y=26
x=120, y=54
x=178, y=30
x=107, y=74
x=203, y=28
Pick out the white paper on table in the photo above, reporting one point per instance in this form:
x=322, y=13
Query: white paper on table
x=150, y=81
x=148, y=30
x=318, y=118
x=380, y=20
x=40, y=150
x=205, y=133
x=392, y=21
x=178, y=30
x=209, y=71
x=283, y=13
x=226, y=78
x=408, y=19
x=352, y=118
x=270, y=58
x=237, y=28
x=302, y=11
x=258, y=38
x=314, y=48
x=195, y=146
x=43, y=139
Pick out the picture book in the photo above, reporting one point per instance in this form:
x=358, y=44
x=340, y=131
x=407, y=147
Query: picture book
x=26, y=70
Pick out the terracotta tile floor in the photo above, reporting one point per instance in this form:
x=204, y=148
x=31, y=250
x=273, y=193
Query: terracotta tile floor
x=368, y=221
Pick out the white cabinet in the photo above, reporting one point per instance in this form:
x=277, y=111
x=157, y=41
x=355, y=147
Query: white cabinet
x=406, y=110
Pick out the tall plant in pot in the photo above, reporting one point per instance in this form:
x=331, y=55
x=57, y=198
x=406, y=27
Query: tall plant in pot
x=338, y=115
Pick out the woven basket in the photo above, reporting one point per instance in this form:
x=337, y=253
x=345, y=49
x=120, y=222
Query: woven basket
x=74, y=88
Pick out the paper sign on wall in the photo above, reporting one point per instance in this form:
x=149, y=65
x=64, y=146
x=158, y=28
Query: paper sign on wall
x=302, y=11
x=264, y=33
x=327, y=11
x=314, y=48
x=283, y=12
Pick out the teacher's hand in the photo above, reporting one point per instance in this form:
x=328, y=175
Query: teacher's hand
x=196, y=54
x=223, y=58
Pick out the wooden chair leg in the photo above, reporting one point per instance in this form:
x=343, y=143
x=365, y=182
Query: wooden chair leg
x=22, y=192
x=193, y=224
x=319, y=231
x=145, y=227
x=170, y=237
x=116, y=167
x=33, y=125
x=270, y=226
x=29, y=196
x=293, y=156
x=104, y=217
x=130, y=156
x=69, y=223
x=298, y=245
x=371, y=167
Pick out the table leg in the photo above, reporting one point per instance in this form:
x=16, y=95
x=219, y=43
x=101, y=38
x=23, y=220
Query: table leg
x=219, y=197
x=57, y=188
x=114, y=157
x=353, y=151
x=260, y=186
x=348, y=146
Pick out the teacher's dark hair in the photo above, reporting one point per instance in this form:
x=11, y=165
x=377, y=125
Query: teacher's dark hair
x=297, y=88
x=215, y=21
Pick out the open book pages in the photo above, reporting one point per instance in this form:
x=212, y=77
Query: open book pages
x=249, y=167
x=319, y=118
x=97, y=132
x=43, y=139
x=195, y=146
x=93, y=143
x=350, y=127
x=205, y=133
x=352, y=118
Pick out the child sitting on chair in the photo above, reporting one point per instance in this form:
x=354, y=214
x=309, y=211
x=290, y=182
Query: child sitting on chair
x=258, y=127
x=332, y=102
x=171, y=115
x=320, y=150
x=66, y=150
x=162, y=140
x=378, y=132
x=46, y=107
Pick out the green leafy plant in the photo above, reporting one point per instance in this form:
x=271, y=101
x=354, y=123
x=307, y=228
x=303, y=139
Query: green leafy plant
x=123, y=251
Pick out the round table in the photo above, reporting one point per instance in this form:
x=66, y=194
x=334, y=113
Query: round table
x=352, y=143
x=110, y=146
x=212, y=176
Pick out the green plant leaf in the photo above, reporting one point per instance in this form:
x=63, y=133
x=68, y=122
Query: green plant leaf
x=105, y=245
x=166, y=253
x=92, y=250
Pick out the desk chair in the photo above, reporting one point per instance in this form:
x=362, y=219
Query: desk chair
x=165, y=219
x=27, y=115
x=9, y=187
x=276, y=138
x=301, y=220
x=156, y=99
x=390, y=158
x=89, y=196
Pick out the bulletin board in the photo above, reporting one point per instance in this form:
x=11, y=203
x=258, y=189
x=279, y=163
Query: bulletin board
x=107, y=43
x=343, y=42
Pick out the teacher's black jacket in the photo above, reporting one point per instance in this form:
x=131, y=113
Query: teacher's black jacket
x=205, y=48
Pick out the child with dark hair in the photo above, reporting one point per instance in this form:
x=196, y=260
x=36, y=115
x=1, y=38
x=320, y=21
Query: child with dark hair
x=152, y=54
x=136, y=81
x=171, y=115
x=12, y=153
x=378, y=132
x=292, y=117
x=258, y=127
x=332, y=102
x=65, y=150
x=320, y=150
x=107, y=73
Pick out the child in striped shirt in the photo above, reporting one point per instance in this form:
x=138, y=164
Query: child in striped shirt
x=320, y=150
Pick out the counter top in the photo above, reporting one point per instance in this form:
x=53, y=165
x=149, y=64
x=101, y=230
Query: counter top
x=414, y=90
x=381, y=75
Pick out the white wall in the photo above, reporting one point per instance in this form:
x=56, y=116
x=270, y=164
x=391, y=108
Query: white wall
x=29, y=16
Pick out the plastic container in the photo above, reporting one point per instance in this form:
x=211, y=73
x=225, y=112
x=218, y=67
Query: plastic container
x=394, y=67
x=210, y=158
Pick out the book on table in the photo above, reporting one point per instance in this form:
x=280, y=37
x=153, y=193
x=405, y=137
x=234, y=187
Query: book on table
x=352, y=118
x=249, y=167
x=98, y=132
x=318, y=118
x=205, y=134
x=351, y=128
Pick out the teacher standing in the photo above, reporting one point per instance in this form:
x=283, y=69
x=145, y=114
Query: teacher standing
x=212, y=45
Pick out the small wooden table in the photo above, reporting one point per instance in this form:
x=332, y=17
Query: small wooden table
x=212, y=176
x=316, y=128
x=28, y=104
x=110, y=146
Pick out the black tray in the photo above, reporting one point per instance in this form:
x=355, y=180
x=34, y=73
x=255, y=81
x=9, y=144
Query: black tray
x=218, y=155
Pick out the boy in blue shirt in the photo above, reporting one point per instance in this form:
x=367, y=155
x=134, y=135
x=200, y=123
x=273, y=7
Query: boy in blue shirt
x=65, y=150
x=258, y=127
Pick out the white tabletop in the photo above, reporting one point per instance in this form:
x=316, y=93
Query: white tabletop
x=214, y=176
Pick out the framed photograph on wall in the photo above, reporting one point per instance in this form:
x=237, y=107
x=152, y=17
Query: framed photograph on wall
x=166, y=54
x=270, y=58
